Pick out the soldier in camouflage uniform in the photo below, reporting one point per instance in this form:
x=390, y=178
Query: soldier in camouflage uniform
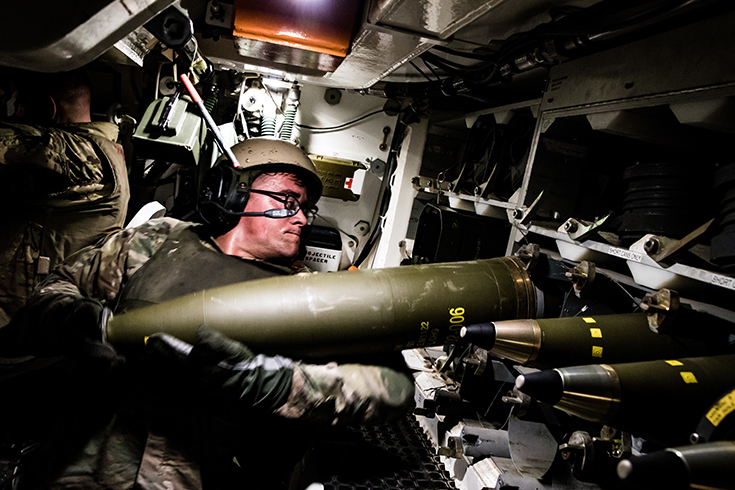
x=63, y=183
x=174, y=416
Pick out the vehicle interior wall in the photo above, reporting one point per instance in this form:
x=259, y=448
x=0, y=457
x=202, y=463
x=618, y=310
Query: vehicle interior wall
x=591, y=142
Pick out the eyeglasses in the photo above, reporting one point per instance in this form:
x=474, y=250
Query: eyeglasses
x=291, y=206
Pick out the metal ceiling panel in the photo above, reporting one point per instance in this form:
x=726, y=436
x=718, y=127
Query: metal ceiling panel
x=437, y=18
x=376, y=52
x=52, y=36
x=394, y=33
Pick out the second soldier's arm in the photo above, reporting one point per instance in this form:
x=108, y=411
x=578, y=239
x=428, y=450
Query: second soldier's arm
x=236, y=382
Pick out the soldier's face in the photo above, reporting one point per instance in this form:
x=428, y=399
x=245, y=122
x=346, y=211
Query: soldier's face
x=268, y=238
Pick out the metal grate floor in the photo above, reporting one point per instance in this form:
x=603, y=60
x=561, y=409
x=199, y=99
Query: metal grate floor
x=386, y=457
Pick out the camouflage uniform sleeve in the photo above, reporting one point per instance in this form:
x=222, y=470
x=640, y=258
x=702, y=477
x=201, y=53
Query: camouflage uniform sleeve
x=100, y=271
x=69, y=155
x=348, y=394
x=238, y=383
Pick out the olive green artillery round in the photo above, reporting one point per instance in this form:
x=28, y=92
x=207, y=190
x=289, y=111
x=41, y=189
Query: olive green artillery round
x=573, y=341
x=348, y=312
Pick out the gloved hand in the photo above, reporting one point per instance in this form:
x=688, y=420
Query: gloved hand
x=230, y=375
x=64, y=326
x=224, y=372
x=348, y=394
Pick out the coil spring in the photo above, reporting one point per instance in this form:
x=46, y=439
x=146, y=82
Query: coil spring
x=268, y=126
x=289, y=117
x=210, y=102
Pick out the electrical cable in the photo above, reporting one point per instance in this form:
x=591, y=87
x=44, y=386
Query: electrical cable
x=462, y=54
x=438, y=79
x=238, y=112
x=453, y=65
x=635, y=300
x=523, y=230
x=340, y=126
x=600, y=22
x=267, y=91
x=420, y=70
x=391, y=164
x=600, y=17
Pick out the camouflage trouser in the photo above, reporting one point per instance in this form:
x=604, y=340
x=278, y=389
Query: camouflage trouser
x=17, y=271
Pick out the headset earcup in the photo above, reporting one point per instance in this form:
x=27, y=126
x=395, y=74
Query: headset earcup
x=215, y=185
x=220, y=186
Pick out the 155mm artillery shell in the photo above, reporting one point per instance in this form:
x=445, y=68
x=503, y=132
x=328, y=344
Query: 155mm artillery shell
x=560, y=342
x=710, y=466
x=658, y=400
x=350, y=312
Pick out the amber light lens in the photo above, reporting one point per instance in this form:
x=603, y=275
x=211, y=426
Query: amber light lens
x=323, y=26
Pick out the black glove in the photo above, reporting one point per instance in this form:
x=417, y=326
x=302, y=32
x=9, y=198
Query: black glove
x=63, y=326
x=237, y=382
x=224, y=372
